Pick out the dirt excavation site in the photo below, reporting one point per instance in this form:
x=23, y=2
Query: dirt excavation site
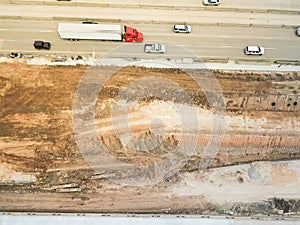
x=148, y=140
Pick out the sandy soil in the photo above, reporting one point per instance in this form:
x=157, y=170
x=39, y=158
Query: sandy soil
x=43, y=169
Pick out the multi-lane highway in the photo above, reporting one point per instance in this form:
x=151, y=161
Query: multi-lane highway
x=204, y=41
x=44, y=218
x=218, y=32
x=254, y=5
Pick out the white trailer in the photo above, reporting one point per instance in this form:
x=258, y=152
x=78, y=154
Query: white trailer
x=76, y=31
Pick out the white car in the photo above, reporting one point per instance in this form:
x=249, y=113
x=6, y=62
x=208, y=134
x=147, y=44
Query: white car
x=211, y=2
x=182, y=28
x=254, y=50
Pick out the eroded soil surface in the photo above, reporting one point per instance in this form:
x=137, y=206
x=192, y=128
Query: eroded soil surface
x=158, y=119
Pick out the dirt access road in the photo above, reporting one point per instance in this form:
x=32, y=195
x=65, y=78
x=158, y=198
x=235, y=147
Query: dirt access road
x=254, y=172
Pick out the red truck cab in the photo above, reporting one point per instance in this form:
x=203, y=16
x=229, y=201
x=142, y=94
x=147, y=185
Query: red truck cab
x=132, y=35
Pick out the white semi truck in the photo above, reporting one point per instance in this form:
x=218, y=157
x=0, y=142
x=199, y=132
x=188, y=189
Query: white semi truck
x=79, y=31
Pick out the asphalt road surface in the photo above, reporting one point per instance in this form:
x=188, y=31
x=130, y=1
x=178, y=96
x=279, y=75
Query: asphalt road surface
x=282, y=5
x=158, y=15
x=204, y=41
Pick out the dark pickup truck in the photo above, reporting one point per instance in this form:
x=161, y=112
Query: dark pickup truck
x=42, y=45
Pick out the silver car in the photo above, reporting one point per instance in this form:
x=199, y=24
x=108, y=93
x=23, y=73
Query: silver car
x=154, y=48
x=298, y=31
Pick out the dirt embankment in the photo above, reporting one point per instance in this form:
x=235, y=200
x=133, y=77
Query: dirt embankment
x=40, y=157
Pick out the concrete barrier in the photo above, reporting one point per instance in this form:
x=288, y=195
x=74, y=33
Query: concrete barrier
x=254, y=61
x=288, y=62
x=215, y=60
x=86, y=19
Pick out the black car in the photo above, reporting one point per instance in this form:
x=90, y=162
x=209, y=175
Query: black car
x=42, y=45
x=89, y=22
